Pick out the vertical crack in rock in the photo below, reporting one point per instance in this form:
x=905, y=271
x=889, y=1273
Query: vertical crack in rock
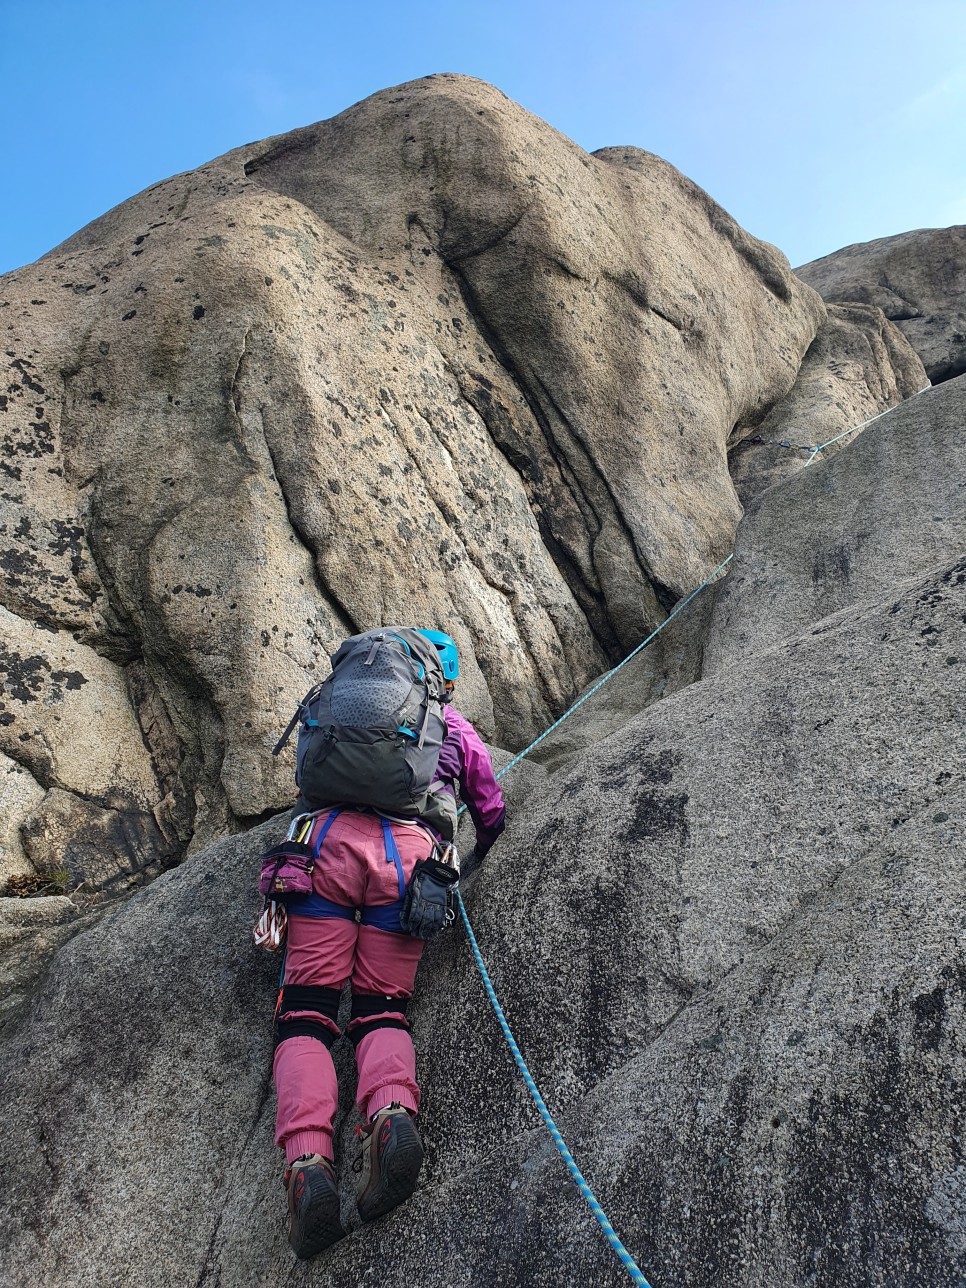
x=614, y=513
x=590, y=598
x=325, y=591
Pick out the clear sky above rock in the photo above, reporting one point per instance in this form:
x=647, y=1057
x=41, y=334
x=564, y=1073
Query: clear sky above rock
x=815, y=124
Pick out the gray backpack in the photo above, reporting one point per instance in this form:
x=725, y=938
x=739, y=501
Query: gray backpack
x=371, y=732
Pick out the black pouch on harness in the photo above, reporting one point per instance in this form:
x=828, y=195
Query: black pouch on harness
x=427, y=905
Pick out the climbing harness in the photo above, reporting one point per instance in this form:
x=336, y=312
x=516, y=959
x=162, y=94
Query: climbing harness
x=627, y=1260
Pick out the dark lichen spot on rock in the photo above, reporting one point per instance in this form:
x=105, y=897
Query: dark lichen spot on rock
x=198, y=312
x=69, y=679
x=652, y=813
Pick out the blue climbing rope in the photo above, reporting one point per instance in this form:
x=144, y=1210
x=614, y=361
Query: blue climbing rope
x=816, y=449
x=630, y=1264
x=678, y=608
x=627, y=1260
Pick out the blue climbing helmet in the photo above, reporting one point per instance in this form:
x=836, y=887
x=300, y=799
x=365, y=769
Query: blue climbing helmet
x=446, y=648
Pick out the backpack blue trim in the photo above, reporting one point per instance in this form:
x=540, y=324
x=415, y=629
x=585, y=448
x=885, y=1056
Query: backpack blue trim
x=409, y=652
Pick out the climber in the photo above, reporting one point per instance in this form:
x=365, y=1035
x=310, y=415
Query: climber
x=348, y=929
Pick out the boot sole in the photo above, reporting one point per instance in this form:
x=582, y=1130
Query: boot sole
x=318, y=1226
x=398, y=1172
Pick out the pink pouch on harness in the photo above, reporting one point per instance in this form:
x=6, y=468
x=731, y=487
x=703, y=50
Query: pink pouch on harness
x=287, y=870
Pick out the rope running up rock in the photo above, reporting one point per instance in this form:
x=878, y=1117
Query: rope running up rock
x=636, y=1274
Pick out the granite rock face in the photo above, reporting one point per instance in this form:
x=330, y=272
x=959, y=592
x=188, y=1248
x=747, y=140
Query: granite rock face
x=842, y=532
x=918, y=279
x=427, y=361
x=858, y=366
x=728, y=937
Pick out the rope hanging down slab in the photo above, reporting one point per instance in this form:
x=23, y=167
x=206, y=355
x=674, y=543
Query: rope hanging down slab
x=635, y=1272
x=629, y=1264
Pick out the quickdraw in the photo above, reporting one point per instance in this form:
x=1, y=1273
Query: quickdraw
x=270, y=928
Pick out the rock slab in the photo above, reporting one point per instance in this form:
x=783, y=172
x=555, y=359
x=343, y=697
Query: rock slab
x=918, y=279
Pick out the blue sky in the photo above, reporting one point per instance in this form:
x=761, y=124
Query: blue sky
x=815, y=124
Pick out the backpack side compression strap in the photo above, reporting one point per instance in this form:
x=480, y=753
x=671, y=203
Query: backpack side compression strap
x=294, y=720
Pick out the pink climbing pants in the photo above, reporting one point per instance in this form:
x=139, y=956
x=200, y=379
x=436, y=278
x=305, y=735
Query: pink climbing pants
x=348, y=929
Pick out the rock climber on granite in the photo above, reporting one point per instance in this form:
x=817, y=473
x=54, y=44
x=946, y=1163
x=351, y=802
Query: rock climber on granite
x=366, y=917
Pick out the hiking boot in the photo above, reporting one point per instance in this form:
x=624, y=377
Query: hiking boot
x=313, y=1205
x=392, y=1155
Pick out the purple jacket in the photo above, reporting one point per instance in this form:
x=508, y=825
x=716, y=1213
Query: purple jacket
x=463, y=760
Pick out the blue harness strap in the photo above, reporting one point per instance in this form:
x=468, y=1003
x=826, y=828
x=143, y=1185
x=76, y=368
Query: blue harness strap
x=381, y=916
x=384, y=916
x=316, y=905
x=392, y=855
x=317, y=845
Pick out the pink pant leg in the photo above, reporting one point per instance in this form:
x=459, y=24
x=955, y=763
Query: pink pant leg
x=386, y=1062
x=308, y=1096
x=319, y=953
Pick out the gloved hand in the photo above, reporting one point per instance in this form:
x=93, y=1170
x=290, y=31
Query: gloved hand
x=426, y=904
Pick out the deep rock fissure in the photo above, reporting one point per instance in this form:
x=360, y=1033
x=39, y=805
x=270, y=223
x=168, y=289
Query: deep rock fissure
x=590, y=598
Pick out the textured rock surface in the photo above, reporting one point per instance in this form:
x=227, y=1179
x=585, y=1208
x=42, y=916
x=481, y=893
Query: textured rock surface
x=19, y=794
x=893, y=504
x=425, y=361
x=858, y=365
x=729, y=939
x=30, y=931
x=918, y=279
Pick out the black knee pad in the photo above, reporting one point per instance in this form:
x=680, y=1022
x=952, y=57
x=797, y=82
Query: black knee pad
x=320, y=1000
x=391, y=1013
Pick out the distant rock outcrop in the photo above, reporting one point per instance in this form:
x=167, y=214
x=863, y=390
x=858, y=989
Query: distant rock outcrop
x=728, y=938
x=918, y=279
x=892, y=507
x=858, y=366
x=427, y=361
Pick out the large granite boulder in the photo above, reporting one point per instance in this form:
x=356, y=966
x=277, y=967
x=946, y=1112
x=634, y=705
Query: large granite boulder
x=427, y=361
x=892, y=505
x=858, y=366
x=728, y=938
x=918, y=279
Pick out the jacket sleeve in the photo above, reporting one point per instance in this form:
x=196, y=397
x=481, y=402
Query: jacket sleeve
x=478, y=786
